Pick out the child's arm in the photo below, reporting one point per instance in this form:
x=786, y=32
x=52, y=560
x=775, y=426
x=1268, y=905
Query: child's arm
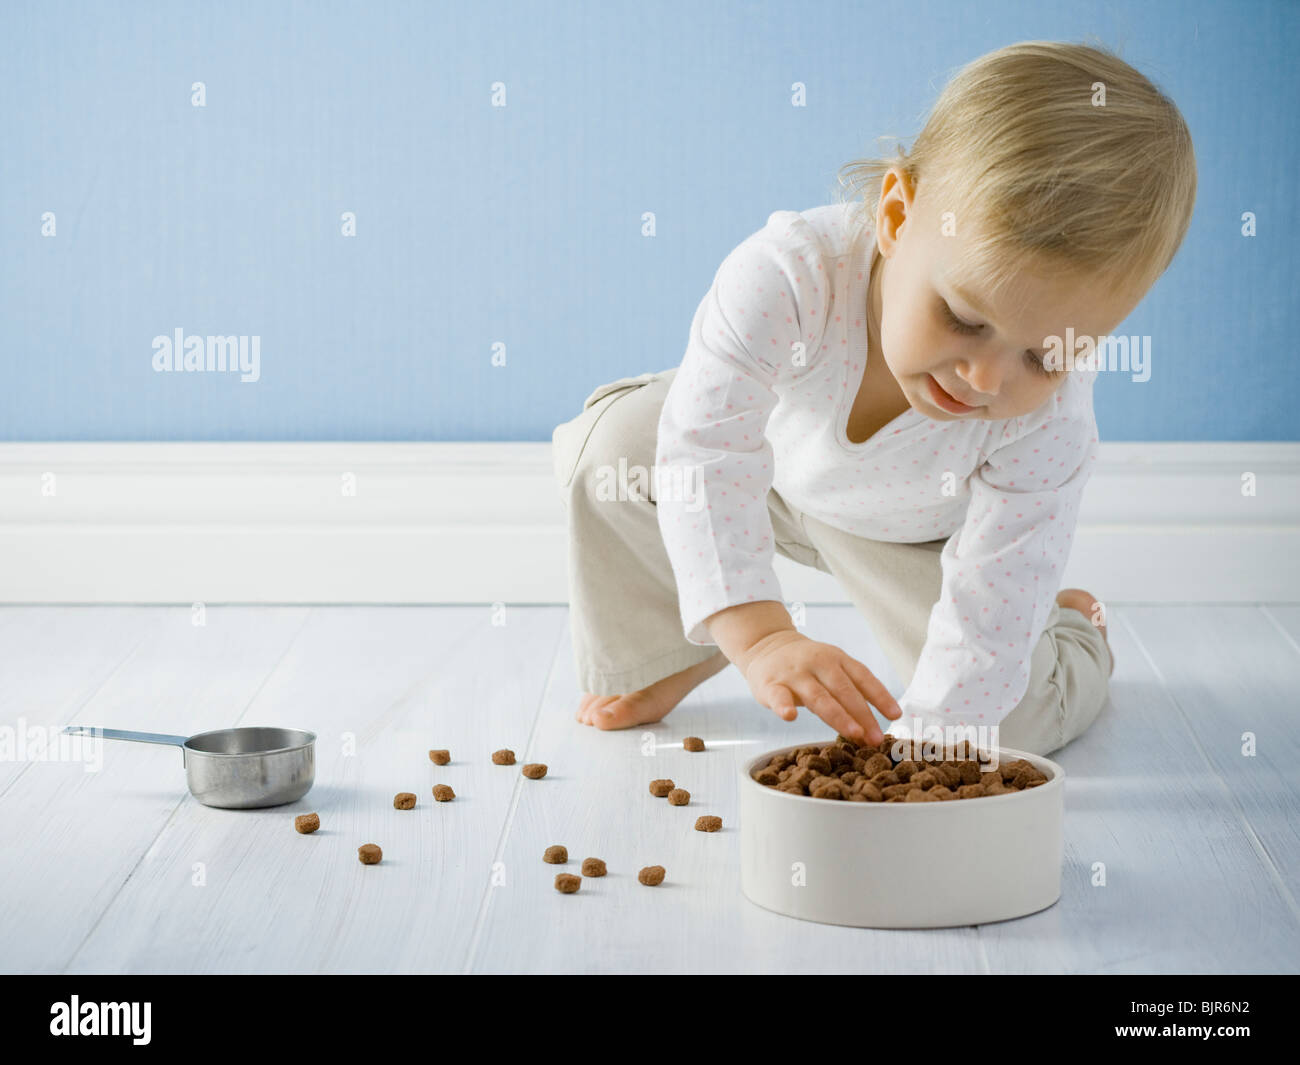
x=755, y=333
x=757, y=330
x=1003, y=568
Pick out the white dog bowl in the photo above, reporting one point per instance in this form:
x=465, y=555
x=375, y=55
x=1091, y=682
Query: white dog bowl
x=903, y=865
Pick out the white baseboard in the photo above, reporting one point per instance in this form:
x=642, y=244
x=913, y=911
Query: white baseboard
x=484, y=523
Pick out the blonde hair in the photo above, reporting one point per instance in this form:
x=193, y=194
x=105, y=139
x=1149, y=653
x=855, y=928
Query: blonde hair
x=1036, y=159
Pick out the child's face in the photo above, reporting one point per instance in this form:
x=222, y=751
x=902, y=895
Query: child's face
x=989, y=359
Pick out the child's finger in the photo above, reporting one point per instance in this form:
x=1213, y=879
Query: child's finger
x=781, y=702
x=813, y=695
x=854, y=702
x=870, y=686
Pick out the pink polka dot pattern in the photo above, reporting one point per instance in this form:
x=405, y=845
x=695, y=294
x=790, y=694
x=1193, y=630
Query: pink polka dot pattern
x=775, y=357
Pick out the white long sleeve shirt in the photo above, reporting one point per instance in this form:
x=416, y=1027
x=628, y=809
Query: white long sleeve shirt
x=775, y=358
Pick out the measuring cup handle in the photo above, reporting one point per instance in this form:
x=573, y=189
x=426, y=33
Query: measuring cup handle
x=121, y=734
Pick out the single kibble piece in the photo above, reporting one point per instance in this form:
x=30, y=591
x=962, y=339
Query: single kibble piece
x=567, y=883
x=651, y=875
x=534, y=770
x=828, y=788
x=443, y=792
x=679, y=797
x=768, y=776
x=708, y=824
x=556, y=855
x=920, y=795
x=503, y=757
x=369, y=854
x=404, y=800
x=440, y=757
x=305, y=823
x=660, y=788
x=593, y=867
x=693, y=743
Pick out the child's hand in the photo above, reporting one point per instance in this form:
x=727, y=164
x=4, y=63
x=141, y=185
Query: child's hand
x=786, y=669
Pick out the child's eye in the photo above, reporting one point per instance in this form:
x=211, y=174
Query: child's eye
x=966, y=329
x=958, y=326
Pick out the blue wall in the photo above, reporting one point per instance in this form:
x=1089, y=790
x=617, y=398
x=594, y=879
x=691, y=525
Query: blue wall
x=521, y=225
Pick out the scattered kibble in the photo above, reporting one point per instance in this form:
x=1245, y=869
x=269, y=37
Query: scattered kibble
x=893, y=770
x=693, y=743
x=660, y=788
x=556, y=855
x=369, y=853
x=440, y=757
x=593, y=867
x=305, y=823
x=708, y=824
x=651, y=875
x=567, y=883
x=443, y=792
x=503, y=757
x=679, y=797
x=404, y=800
x=534, y=770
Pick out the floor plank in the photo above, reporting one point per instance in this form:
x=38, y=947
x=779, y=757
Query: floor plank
x=95, y=829
x=596, y=803
x=1199, y=843
x=1185, y=890
x=401, y=681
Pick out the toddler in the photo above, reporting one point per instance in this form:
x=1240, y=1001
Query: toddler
x=896, y=389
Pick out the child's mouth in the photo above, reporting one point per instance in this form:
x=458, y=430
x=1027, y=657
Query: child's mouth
x=942, y=399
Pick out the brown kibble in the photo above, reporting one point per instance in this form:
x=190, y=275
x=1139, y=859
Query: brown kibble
x=920, y=795
x=534, y=770
x=404, y=800
x=708, y=823
x=878, y=763
x=556, y=855
x=593, y=867
x=949, y=775
x=305, y=823
x=505, y=756
x=907, y=769
x=651, y=875
x=679, y=797
x=369, y=854
x=440, y=757
x=828, y=788
x=567, y=883
x=837, y=756
x=815, y=763
x=926, y=779
x=443, y=792
x=867, y=773
x=693, y=743
x=660, y=788
x=869, y=792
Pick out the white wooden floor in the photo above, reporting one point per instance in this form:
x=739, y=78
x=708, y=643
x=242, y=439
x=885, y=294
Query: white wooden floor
x=122, y=871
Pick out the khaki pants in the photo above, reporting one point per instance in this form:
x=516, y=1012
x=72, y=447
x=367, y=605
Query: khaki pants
x=623, y=608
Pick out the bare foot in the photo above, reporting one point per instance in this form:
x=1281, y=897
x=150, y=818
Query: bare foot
x=649, y=704
x=1084, y=602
